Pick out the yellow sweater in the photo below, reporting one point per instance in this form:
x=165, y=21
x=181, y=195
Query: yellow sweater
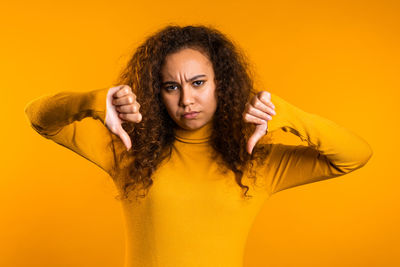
x=193, y=215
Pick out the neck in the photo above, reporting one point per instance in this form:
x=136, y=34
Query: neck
x=200, y=135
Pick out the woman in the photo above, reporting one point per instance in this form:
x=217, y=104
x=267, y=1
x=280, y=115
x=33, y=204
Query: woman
x=186, y=131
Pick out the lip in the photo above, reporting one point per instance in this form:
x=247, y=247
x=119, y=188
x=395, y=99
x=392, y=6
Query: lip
x=190, y=115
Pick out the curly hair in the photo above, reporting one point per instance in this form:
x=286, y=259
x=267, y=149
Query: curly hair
x=154, y=136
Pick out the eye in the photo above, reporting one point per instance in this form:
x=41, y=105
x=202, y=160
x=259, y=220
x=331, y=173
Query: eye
x=170, y=87
x=197, y=82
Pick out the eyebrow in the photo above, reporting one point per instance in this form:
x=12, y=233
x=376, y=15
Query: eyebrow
x=191, y=79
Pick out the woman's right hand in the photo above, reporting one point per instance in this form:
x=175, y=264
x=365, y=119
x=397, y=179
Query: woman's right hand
x=121, y=107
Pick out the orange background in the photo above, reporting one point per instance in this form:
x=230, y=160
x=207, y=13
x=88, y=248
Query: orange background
x=338, y=59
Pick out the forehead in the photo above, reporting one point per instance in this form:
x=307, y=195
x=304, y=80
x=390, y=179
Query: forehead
x=187, y=61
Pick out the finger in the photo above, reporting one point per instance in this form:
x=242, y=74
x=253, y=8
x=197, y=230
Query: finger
x=133, y=117
x=259, y=132
x=124, y=137
x=265, y=115
x=113, y=90
x=265, y=98
x=124, y=90
x=124, y=100
x=132, y=108
x=252, y=119
x=263, y=107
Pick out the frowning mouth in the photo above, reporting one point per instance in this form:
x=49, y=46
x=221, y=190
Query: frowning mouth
x=190, y=115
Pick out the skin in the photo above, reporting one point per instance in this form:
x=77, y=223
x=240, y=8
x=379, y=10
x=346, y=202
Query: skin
x=121, y=107
x=185, y=91
x=259, y=110
x=188, y=85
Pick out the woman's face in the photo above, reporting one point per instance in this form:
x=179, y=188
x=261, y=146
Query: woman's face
x=188, y=87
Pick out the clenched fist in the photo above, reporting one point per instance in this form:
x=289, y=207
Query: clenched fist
x=259, y=110
x=121, y=107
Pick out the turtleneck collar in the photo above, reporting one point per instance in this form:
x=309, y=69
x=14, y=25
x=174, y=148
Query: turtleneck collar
x=198, y=136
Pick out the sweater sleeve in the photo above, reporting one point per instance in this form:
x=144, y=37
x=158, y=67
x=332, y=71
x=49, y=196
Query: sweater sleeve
x=332, y=150
x=75, y=120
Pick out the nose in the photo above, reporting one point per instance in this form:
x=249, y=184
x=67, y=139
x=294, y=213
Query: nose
x=186, y=97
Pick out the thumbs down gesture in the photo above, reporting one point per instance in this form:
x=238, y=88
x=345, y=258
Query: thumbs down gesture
x=121, y=107
x=259, y=110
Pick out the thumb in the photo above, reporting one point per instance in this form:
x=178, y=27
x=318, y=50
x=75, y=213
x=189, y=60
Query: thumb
x=113, y=122
x=260, y=131
x=124, y=136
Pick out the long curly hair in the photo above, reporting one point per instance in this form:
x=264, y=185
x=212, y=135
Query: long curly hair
x=153, y=137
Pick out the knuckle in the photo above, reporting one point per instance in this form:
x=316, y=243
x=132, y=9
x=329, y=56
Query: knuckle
x=122, y=88
x=257, y=105
x=265, y=96
x=139, y=119
x=252, y=109
x=266, y=93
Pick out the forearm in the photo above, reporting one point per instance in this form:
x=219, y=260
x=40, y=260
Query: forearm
x=50, y=113
x=346, y=150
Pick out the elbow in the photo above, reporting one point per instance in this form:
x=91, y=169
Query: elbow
x=27, y=112
x=32, y=112
x=29, y=115
x=365, y=154
x=33, y=118
x=359, y=160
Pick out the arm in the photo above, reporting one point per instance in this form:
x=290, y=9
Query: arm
x=332, y=149
x=61, y=117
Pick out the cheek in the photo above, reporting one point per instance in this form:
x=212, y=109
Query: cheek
x=210, y=102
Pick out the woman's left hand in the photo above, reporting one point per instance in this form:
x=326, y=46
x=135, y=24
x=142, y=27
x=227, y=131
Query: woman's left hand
x=259, y=110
